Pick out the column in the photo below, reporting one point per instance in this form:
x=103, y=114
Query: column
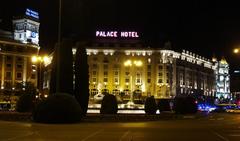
x=13, y=71
x=3, y=70
x=24, y=69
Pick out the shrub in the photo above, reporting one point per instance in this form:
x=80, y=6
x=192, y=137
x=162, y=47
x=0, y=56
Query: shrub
x=58, y=108
x=109, y=105
x=150, y=106
x=25, y=103
x=164, y=105
x=185, y=105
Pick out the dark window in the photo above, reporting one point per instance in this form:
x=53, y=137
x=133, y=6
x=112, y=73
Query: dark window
x=160, y=67
x=9, y=58
x=34, y=67
x=105, y=66
x=105, y=60
x=160, y=74
x=94, y=73
x=149, y=80
x=19, y=58
x=149, y=67
x=149, y=73
x=95, y=59
x=116, y=73
x=105, y=73
x=94, y=66
x=127, y=80
x=105, y=79
x=126, y=73
x=33, y=76
x=94, y=79
x=19, y=66
x=168, y=67
x=9, y=65
x=8, y=75
x=19, y=75
x=159, y=80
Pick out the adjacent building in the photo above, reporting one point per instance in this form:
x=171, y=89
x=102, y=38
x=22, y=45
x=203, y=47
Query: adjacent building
x=16, y=51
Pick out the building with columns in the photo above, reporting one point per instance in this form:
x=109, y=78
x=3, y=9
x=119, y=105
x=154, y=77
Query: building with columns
x=16, y=51
x=16, y=66
x=149, y=72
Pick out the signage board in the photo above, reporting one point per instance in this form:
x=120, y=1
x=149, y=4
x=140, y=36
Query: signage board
x=117, y=34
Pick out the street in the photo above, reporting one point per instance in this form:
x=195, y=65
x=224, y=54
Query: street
x=216, y=127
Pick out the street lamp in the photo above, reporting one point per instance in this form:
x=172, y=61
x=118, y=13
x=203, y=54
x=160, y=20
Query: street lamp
x=130, y=63
x=236, y=50
x=39, y=60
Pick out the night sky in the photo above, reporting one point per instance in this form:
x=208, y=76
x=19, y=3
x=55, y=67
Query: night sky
x=200, y=26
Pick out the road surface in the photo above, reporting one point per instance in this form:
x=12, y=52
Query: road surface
x=219, y=127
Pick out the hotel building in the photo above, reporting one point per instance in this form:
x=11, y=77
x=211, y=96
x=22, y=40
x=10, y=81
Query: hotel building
x=132, y=70
x=147, y=71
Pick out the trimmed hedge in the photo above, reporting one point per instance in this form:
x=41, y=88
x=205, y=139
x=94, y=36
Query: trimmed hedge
x=164, y=105
x=150, y=106
x=25, y=103
x=185, y=105
x=109, y=105
x=58, y=108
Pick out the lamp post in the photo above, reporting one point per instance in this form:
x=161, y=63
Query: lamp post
x=58, y=46
x=130, y=64
x=40, y=60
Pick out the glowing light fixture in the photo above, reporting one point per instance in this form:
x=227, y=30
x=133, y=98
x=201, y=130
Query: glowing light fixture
x=236, y=50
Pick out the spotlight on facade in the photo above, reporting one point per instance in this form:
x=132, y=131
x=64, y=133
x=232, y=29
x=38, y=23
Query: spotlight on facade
x=34, y=59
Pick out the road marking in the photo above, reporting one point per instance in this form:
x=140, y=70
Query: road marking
x=124, y=135
x=93, y=134
x=234, y=135
x=220, y=136
x=220, y=118
x=17, y=137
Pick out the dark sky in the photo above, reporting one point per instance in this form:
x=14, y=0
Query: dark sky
x=201, y=26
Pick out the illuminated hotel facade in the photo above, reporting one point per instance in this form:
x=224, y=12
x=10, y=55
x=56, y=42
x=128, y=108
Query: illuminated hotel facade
x=131, y=70
x=149, y=72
